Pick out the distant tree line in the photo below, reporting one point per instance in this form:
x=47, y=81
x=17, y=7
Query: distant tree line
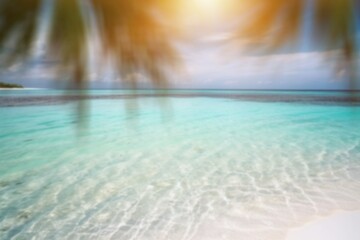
x=10, y=85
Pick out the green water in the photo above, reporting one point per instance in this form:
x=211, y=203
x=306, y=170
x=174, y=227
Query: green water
x=188, y=165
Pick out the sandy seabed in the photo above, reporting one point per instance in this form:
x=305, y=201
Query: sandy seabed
x=339, y=226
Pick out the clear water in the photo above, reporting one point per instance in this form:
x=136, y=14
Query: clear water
x=197, y=167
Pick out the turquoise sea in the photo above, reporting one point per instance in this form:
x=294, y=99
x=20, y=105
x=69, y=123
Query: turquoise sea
x=175, y=165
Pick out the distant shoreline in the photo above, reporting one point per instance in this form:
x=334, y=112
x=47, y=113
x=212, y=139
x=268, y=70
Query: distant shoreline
x=23, y=88
x=193, y=89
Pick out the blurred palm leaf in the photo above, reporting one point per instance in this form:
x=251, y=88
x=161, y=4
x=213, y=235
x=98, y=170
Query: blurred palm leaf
x=17, y=28
x=68, y=40
x=335, y=22
x=278, y=23
x=271, y=23
x=132, y=32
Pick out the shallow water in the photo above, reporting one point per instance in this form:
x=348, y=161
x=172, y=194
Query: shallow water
x=190, y=165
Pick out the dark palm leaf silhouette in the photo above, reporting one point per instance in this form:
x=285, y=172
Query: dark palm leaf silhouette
x=277, y=23
x=68, y=40
x=18, y=24
x=132, y=33
x=271, y=24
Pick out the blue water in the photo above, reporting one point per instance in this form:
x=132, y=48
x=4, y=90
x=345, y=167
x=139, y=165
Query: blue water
x=174, y=164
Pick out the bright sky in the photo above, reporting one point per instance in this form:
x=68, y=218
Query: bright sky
x=211, y=61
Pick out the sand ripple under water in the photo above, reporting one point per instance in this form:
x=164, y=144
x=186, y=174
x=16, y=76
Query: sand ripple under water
x=207, y=169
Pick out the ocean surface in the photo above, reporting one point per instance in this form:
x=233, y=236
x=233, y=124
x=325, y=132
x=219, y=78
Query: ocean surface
x=175, y=165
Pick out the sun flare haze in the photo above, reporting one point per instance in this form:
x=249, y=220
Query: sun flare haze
x=207, y=9
x=208, y=5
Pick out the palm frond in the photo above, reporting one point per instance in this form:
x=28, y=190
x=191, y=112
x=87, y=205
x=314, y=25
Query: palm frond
x=133, y=33
x=68, y=40
x=18, y=26
x=278, y=23
x=136, y=38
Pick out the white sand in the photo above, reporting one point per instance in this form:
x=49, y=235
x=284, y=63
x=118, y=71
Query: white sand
x=339, y=226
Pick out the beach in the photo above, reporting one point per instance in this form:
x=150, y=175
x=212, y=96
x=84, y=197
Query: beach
x=338, y=226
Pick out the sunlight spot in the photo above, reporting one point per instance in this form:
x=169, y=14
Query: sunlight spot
x=215, y=8
x=208, y=5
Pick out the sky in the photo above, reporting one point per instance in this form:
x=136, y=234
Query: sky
x=211, y=61
x=207, y=67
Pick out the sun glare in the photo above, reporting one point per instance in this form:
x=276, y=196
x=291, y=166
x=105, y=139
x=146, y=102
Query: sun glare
x=208, y=9
x=208, y=5
x=206, y=13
